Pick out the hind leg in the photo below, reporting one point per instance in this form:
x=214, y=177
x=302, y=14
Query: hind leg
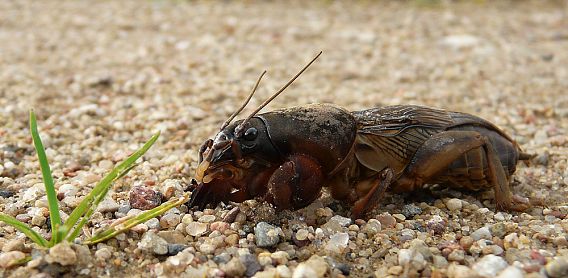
x=436, y=155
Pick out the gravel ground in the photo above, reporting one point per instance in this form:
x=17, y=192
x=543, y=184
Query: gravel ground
x=103, y=76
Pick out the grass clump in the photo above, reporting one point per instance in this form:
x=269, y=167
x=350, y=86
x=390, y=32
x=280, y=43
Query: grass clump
x=71, y=229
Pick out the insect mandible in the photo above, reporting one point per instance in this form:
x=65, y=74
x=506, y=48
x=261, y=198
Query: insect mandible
x=286, y=156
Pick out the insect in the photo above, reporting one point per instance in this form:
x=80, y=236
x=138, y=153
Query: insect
x=286, y=156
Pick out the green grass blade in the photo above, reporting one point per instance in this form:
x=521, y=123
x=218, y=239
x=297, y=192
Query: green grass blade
x=47, y=181
x=33, y=235
x=92, y=199
x=113, y=230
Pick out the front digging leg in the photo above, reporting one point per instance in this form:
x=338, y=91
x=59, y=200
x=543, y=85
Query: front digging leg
x=379, y=186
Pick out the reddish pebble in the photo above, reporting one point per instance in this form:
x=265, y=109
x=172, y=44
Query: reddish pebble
x=538, y=257
x=219, y=226
x=231, y=215
x=144, y=198
x=387, y=220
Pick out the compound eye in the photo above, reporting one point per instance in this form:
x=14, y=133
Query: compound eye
x=250, y=134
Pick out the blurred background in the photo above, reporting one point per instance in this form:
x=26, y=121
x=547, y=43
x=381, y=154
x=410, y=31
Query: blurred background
x=105, y=73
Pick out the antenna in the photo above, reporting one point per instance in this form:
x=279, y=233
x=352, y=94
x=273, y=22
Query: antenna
x=228, y=121
x=266, y=102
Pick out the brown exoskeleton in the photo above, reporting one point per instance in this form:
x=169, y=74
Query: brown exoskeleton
x=287, y=155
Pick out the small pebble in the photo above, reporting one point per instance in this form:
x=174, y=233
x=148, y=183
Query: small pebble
x=103, y=254
x=170, y=220
x=338, y=243
x=399, y=217
x=174, y=249
x=251, y=264
x=454, y=204
x=410, y=210
x=315, y=266
x=234, y=268
x=387, y=220
x=481, y=233
x=557, y=268
x=108, y=205
x=62, y=254
x=302, y=234
x=206, y=218
x=144, y=198
x=196, y=228
x=8, y=259
x=207, y=248
x=266, y=235
x=151, y=242
x=511, y=272
x=372, y=227
x=490, y=265
x=153, y=223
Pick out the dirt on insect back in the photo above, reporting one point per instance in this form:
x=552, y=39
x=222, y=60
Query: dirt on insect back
x=103, y=76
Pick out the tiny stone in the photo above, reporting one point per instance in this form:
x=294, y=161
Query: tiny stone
x=14, y=245
x=231, y=215
x=207, y=248
x=499, y=229
x=38, y=220
x=387, y=221
x=489, y=265
x=439, y=261
x=153, y=223
x=302, y=234
x=283, y=271
x=219, y=226
x=62, y=253
x=144, y=198
x=186, y=219
x=557, y=267
x=267, y=273
x=11, y=258
x=343, y=221
x=174, y=249
x=140, y=228
x=454, y=204
x=511, y=272
x=196, y=228
x=266, y=235
x=103, y=254
x=222, y=258
x=481, y=233
x=317, y=264
x=5, y=193
x=415, y=259
x=206, y=218
x=436, y=225
x=280, y=257
x=232, y=240
x=459, y=271
x=338, y=243
x=170, y=220
x=24, y=217
x=410, y=210
x=108, y=205
x=456, y=256
x=251, y=263
x=372, y=227
x=234, y=268
x=151, y=242
x=399, y=217
x=395, y=270
x=466, y=242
